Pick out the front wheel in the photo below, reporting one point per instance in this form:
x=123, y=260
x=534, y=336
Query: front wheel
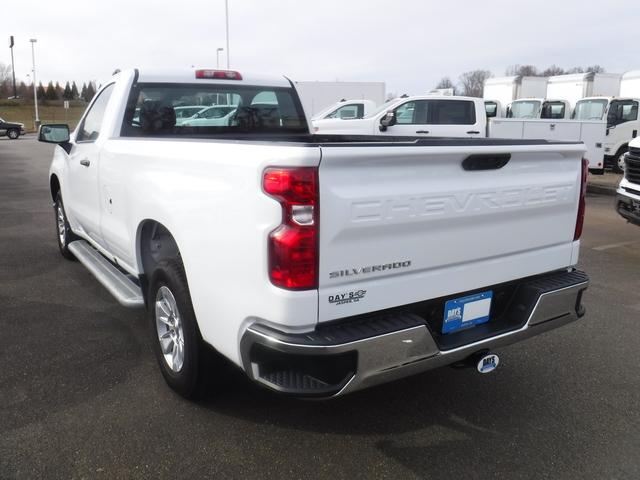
x=618, y=166
x=176, y=340
x=13, y=134
x=64, y=234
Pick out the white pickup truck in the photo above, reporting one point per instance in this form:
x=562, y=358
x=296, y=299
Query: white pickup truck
x=319, y=265
x=457, y=116
x=628, y=195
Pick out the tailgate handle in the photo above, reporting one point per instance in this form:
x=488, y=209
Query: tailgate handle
x=486, y=161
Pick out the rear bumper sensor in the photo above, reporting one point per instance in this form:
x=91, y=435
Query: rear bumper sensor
x=360, y=352
x=125, y=290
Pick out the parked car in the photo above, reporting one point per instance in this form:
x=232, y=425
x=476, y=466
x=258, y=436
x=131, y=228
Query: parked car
x=187, y=111
x=317, y=264
x=210, y=116
x=11, y=129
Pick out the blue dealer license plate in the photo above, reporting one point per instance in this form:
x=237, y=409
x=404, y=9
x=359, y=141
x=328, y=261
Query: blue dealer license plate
x=466, y=312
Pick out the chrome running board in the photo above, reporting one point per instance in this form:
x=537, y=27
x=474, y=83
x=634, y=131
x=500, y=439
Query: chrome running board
x=117, y=283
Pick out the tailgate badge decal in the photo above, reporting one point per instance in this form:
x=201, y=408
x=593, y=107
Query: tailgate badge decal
x=371, y=269
x=349, y=297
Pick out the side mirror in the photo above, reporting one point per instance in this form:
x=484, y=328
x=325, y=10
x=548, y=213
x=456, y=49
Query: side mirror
x=388, y=120
x=58, y=133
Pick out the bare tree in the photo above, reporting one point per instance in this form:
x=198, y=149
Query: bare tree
x=445, y=82
x=473, y=82
x=595, y=69
x=5, y=73
x=590, y=69
x=523, y=70
x=553, y=70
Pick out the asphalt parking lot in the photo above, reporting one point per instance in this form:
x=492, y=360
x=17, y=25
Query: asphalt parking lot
x=81, y=395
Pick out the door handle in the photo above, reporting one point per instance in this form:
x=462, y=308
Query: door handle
x=422, y=131
x=85, y=162
x=473, y=131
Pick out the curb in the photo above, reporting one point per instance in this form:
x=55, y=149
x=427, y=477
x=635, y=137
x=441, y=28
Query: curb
x=609, y=190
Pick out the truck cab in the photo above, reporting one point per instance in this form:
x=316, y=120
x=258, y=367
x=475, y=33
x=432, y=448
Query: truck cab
x=621, y=115
x=427, y=115
x=552, y=109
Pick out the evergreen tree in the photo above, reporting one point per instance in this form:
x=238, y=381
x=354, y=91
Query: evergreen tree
x=91, y=91
x=24, y=91
x=83, y=92
x=66, y=94
x=41, y=92
x=74, y=91
x=51, y=91
x=58, y=90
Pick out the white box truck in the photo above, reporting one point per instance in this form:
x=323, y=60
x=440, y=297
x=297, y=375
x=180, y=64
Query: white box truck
x=621, y=114
x=576, y=86
x=317, y=96
x=499, y=92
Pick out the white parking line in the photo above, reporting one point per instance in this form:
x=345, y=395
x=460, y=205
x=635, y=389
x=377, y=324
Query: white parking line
x=614, y=245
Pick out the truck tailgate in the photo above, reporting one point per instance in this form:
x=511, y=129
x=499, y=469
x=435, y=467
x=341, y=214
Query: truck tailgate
x=402, y=224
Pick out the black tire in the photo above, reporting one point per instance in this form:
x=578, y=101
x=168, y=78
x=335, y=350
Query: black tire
x=13, y=134
x=615, y=167
x=189, y=380
x=61, y=223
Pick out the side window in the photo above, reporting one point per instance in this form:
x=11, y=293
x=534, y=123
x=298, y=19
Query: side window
x=353, y=110
x=491, y=109
x=452, y=112
x=552, y=110
x=90, y=128
x=630, y=112
x=622, y=111
x=411, y=113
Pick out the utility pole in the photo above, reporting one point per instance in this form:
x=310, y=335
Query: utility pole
x=226, y=14
x=13, y=68
x=35, y=91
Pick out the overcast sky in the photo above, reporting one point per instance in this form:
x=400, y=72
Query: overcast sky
x=409, y=44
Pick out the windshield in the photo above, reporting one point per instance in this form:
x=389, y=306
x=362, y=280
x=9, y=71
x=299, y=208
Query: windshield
x=524, y=109
x=154, y=109
x=589, y=109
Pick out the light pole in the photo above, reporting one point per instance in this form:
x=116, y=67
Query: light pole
x=13, y=67
x=35, y=91
x=218, y=50
x=226, y=14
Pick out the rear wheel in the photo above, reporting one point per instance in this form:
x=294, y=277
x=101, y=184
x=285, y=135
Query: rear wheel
x=13, y=134
x=177, y=344
x=64, y=234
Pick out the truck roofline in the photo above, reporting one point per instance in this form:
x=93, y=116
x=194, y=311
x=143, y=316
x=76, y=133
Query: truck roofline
x=188, y=75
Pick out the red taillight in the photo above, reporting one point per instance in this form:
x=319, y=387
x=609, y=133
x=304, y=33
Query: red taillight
x=293, y=246
x=219, y=74
x=581, y=202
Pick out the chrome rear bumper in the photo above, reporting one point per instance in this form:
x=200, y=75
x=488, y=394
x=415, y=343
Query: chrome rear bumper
x=336, y=362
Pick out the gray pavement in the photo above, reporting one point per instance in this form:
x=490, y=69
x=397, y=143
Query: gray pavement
x=82, y=397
